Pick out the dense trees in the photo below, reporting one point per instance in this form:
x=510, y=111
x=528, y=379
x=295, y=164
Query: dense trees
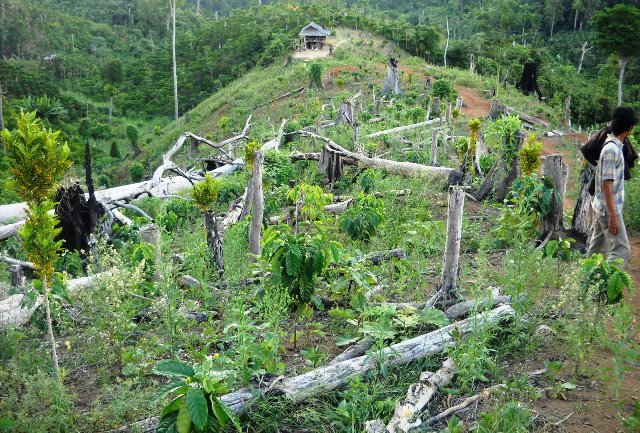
x=618, y=31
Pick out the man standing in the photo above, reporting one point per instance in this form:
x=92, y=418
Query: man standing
x=609, y=233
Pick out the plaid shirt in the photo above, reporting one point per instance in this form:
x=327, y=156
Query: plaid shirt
x=610, y=167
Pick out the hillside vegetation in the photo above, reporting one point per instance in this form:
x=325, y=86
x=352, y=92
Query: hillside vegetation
x=309, y=276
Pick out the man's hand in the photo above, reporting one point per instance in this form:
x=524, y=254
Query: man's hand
x=613, y=224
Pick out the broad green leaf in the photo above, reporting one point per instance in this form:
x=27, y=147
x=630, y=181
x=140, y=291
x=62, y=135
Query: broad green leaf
x=168, y=424
x=198, y=410
x=345, y=340
x=173, y=406
x=183, y=421
x=434, y=316
x=174, y=368
x=168, y=389
x=293, y=260
x=221, y=411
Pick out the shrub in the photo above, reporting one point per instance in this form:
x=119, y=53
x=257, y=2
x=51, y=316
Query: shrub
x=443, y=89
x=363, y=217
x=136, y=172
x=530, y=155
x=114, y=151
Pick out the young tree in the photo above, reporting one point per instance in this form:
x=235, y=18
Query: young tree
x=172, y=4
x=112, y=75
x=39, y=162
x=132, y=135
x=617, y=32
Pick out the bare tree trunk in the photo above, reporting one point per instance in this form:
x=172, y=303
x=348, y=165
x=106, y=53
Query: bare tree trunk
x=255, y=228
x=52, y=340
x=623, y=64
x=585, y=49
x=110, y=109
x=553, y=22
x=434, y=148
x=198, y=8
x=214, y=242
x=173, y=57
x=583, y=213
x=558, y=172
x=567, y=113
x=446, y=46
x=447, y=116
x=451, y=270
x=481, y=150
x=4, y=146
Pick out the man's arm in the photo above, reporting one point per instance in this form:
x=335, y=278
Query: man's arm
x=607, y=190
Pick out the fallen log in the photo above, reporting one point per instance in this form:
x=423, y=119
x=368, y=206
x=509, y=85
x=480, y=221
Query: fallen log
x=21, y=263
x=462, y=308
x=451, y=175
x=293, y=92
x=358, y=349
x=13, y=313
x=315, y=156
x=418, y=397
x=404, y=128
x=331, y=376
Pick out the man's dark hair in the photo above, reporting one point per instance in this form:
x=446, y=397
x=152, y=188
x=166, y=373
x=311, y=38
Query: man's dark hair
x=623, y=118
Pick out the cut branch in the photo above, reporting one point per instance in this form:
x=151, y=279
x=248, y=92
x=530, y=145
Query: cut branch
x=404, y=128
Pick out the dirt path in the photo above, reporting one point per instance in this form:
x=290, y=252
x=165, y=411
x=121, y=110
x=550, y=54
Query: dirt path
x=475, y=106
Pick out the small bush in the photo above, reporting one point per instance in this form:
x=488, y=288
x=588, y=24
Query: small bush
x=136, y=172
x=364, y=216
x=444, y=90
x=530, y=155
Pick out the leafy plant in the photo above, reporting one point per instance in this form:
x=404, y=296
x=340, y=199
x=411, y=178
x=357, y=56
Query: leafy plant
x=314, y=355
x=297, y=260
x=249, y=153
x=443, y=89
x=315, y=75
x=205, y=192
x=362, y=219
x=39, y=162
x=530, y=155
x=603, y=280
x=136, y=171
x=195, y=406
x=311, y=198
x=501, y=135
x=511, y=418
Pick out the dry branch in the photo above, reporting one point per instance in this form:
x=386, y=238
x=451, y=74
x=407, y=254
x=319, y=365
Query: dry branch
x=418, y=397
x=293, y=92
x=403, y=128
x=21, y=263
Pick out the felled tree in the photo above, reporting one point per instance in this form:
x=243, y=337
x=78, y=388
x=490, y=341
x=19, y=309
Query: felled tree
x=39, y=162
x=204, y=193
x=617, y=32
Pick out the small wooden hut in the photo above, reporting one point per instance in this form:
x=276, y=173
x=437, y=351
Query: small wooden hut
x=315, y=37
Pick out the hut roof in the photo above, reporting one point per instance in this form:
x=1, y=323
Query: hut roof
x=313, y=29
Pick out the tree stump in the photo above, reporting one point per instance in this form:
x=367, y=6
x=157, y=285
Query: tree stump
x=459, y=103
x=75, y=219
x=496, y=110
x=150, y=234
x=529, y=80
x=331, y=164
x=392, y=84
x=346, y=113
x=214, y=241
x=255, y=229
x=17, y=276
x=502, y=174
x=583, y=213
x=434, y=148
x=481, y=150
x=436, y=107
x=451, y=270
x=558, y=172
x=447, y=116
